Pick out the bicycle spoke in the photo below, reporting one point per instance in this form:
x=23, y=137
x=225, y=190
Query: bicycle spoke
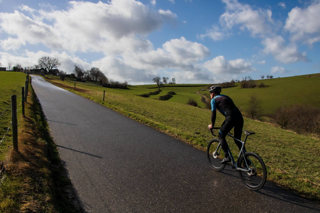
x=215, y=155
x=255, y=178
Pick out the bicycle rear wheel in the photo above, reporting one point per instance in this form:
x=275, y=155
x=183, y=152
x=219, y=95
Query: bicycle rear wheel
x=214, y=153
x=256, y=177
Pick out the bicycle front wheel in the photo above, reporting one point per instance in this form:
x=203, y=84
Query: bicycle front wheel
x=214, y=153
x=256, y=176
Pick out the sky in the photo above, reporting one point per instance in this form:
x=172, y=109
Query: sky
x=193, y=41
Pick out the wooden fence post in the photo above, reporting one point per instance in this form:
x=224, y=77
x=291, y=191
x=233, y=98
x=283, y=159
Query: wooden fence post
x=22, y=101
x=104, y=93
x=26, y=91
x=14, y=122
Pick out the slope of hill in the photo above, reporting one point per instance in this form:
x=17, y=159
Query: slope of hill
x=288, y=156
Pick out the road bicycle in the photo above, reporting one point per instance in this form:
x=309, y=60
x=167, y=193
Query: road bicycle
x=250, y=165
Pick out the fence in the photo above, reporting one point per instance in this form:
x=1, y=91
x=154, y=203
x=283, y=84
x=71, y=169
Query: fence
x=14, y=125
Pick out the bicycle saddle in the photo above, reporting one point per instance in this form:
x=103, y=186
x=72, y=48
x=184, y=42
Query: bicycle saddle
x=248, y=133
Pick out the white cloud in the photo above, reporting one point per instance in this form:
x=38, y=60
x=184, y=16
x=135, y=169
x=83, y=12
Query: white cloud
x=172, y=1
x=167, y=15
x=282, y=53
x=26, y=8
x=303, y=24
x=261, y=62
x=255, y=21
x=220, y=65
x=176, y=53
x=215, y=33
x=29, y=59
x=111, y=27
x=282, y=4
x=199, y=76
x=153, y=2
x=277, y=69
x=117, y=69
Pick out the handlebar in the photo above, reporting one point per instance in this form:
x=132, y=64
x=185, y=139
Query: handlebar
x=212, y=130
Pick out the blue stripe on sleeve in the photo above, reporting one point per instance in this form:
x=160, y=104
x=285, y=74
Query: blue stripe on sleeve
x=213, y=105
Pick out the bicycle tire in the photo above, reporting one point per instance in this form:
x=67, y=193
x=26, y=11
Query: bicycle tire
x=215, y=161
x=257, y=177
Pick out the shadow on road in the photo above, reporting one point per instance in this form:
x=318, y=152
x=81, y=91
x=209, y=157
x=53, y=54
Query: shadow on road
x=276, y=192
x=61, y=122
x=79, y=151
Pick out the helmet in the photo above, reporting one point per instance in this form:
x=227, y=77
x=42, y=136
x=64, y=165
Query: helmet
x=215, y=89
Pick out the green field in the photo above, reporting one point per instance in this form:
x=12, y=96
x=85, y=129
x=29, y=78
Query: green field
x=280, y=91
x=290, y=158
x=10, y=84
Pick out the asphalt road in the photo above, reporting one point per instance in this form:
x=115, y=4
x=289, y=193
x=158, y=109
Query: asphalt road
x=119, y=165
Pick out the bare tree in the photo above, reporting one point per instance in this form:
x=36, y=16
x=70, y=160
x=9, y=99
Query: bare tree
x=78, y=71
x=254, y=108
x=173, y=81
x=165, y=80
x=94, y=73
x=17, y=67
x=157, y=80
x=48, y=63
x=62, y=75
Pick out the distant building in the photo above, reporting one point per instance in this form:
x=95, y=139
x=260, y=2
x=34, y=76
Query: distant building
x=3, y=69
x=37, y=71
x=54, y=71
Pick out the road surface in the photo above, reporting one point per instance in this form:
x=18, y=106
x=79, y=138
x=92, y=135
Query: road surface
x=119, y=165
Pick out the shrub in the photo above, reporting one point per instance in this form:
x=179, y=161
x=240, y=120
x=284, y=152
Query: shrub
x=150, y=93
x=207, y=102
x=254, y=109
x=262, y=85
x=114, y=84
x=299, y=118
x=192, y=102
x=172, y=93
x=165, y=97
x=248, y=84
x=224, y=84
x=62, y=76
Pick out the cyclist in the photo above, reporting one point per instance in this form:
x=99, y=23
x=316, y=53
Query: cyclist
x=233, y=119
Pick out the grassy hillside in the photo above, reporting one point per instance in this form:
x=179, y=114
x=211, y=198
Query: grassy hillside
x=290, y=158
x=280, y=91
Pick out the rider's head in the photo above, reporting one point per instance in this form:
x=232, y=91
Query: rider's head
x=215, y=90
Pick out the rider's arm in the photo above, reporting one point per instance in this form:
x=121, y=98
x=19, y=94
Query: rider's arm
x=213, y=114
x=213, y=118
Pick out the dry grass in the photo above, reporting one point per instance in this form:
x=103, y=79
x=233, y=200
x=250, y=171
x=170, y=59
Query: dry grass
x=35, y=178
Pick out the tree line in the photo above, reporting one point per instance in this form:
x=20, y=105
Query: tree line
x=95, y=75
x=162, y=81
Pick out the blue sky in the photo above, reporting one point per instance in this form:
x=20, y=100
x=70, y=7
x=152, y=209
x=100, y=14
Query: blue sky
x=193, y=41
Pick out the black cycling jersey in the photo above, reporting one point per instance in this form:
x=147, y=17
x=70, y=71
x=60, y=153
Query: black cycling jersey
x=225, y=105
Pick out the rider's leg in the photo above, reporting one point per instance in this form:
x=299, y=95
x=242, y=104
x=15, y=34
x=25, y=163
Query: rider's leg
x=224, y=144
x=238, y=126
x=224, y=130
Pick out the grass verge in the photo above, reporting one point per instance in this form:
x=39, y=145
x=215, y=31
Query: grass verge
x=36, y=180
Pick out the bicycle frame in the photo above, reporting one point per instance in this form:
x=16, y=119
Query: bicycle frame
x=234, y=163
